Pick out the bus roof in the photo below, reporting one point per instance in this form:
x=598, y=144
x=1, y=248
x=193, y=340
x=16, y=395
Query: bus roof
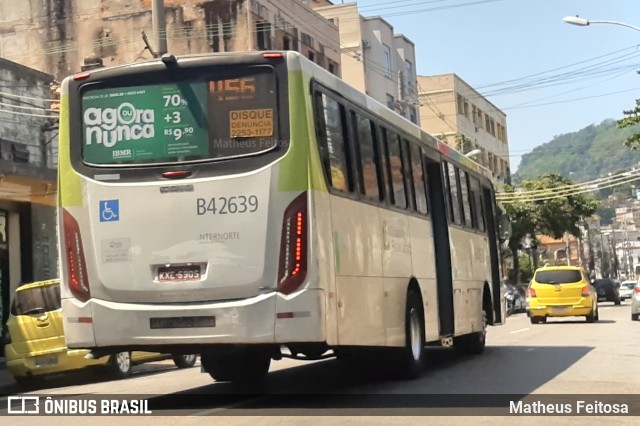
x=297, y=61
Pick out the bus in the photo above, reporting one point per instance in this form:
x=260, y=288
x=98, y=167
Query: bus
x=250, y=206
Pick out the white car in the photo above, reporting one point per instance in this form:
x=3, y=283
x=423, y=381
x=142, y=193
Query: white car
x=626, y=289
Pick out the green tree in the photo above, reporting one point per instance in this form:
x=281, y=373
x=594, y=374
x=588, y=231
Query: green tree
x=632, y=118
x=552, y=217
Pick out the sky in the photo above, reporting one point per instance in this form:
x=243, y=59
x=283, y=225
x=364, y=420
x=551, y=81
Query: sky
x=548, y=77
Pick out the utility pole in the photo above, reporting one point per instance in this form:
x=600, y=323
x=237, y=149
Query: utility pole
x=159, y=26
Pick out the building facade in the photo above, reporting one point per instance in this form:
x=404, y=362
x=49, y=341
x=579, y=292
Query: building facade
x=374, y=59
x=55, y=36
x=28, y=161
x=456, y=113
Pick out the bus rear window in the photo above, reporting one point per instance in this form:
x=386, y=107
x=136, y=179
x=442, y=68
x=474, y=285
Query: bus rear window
x=558, y=277
x=37, y=300
x=190, y=120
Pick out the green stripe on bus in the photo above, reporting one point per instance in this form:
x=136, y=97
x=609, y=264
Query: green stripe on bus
x=69, y=183
x=300, y=169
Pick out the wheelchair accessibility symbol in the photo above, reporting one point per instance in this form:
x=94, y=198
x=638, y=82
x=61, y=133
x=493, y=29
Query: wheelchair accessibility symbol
x=109, y=210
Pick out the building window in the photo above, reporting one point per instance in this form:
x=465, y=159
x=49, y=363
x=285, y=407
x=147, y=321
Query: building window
x=409, y=75
x=286, y=43
x=386, y=60
x=306, y=39
x=413, y=116
x=311, y=55
x=460, y=104
x=332, y=68
x=263, y=30
x=390, y=101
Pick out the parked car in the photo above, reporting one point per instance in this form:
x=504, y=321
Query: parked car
x=607, y=290
x=561, y=291
x=626, y=289
x=36, y=346
x=635, y=303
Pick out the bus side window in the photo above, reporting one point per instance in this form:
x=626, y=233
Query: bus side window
x=368, y=156
x=408, y=175
x=455, y=197
x=397, y=172
x=447, y=190
x=466, y=206
x=474, y=201
x=418, y=179
x=333, y=143
x=482, y=218
x=386, y=166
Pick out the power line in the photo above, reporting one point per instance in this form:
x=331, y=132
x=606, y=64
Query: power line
x=569, y=190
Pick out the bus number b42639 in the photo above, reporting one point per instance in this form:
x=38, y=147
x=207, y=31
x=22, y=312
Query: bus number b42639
x=227, y=205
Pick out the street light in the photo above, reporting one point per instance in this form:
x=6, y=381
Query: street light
x=582, y=22
x=473, y=153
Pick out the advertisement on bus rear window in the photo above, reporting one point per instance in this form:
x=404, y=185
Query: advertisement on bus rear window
x=182, y=121
x=145, y=123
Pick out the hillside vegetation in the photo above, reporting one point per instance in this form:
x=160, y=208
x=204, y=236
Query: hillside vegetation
x=581, y=156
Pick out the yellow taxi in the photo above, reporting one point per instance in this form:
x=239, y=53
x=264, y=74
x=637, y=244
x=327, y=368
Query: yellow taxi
x=37, y=346
x=561, y=291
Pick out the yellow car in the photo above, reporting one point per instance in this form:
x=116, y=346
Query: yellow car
x=37, y=347
x=561, y=291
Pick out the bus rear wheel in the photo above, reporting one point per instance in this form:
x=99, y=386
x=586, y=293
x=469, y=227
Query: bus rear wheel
x=407, y=361
x=245, y=367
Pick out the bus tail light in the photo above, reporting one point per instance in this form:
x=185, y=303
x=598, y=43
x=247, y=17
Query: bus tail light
x=585, y=291
x=76, y=264
x=272, y=55
x=531, y=292
x=293, y=246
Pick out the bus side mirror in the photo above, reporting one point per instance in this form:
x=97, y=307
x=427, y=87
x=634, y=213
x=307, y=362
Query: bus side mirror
x=504, y=227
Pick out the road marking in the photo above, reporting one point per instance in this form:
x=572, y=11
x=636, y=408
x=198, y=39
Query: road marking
x=519, y=331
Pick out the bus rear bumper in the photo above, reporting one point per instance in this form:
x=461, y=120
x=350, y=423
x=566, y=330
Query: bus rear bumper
x=258, y=320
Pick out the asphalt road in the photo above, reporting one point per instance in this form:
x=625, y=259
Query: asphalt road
x=561, y=357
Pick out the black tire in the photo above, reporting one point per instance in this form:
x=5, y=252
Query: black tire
x=597, y=317
x=635, y=317
x=185, y=361
x=120, y=365
x=474, y=343
x=407, y=361
x=247, y=367
x=591, y=318
x=538, y=320
x=617, y=302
